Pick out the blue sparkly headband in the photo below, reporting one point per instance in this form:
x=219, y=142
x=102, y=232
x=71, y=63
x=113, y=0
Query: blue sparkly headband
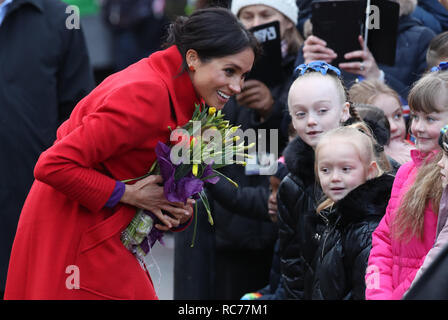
x=318, y=66
x=440, y=67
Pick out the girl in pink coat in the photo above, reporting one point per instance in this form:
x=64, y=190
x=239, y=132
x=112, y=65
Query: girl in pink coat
x=442, y=222
x=407, y=231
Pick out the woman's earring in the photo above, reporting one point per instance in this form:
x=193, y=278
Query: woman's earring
x=191, y=68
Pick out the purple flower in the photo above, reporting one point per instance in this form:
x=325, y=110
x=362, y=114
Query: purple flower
x=187, y=186
x=208, y=171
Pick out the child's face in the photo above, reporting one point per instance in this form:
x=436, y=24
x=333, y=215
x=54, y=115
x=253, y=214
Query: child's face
x=272, y=202
x=394, y=113
x=315, y=107
x=340, y=169
x=443, y=164
x=426, y=129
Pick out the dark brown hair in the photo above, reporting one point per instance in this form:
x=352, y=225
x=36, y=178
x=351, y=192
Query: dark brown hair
x=212, y=33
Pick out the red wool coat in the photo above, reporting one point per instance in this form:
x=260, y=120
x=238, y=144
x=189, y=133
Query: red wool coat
x=64, y=227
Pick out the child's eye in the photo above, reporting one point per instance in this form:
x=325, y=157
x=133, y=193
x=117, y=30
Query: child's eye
x=414, y=117
x=346, y=169
x=430, y=119
x=300, y=114
x=398, y=116
x=322, y=111
x=324, y=170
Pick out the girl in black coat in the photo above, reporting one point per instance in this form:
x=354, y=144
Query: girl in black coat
x=317, y=103
x=357, y=194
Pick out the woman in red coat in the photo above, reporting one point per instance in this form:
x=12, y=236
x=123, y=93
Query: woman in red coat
x=67, y=244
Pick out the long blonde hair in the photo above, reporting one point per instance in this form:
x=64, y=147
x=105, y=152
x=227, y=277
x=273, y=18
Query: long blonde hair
x=360, y=135
x=426, y=190
x=366, y=91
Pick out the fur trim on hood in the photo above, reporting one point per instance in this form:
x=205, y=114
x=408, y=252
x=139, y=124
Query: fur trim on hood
x=369, y=199
x=299, y=159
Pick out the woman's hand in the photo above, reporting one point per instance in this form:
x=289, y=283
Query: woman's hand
x=256, y=95
x=148, y=194
x=316, y=49
x=366, y=68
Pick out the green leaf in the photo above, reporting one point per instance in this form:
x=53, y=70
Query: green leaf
x=204, y=199
x=226, y=177
x=195, y=224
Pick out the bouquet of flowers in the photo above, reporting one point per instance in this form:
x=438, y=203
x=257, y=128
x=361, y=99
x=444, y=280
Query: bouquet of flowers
x=203, y=145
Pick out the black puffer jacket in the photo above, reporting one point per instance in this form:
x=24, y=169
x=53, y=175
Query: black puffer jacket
x=299, y=225
x=341, y=260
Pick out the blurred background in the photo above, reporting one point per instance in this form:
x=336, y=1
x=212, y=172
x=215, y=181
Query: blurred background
x=121, y=32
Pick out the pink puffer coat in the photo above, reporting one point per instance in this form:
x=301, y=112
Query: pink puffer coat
x=392, y=263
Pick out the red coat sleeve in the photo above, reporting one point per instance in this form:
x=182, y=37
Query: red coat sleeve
x=123, y=121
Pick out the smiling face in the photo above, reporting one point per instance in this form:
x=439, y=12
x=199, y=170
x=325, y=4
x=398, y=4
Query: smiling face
x=218, y=79
x=340, y=168
x=316, y=106
x=426, y=129
x=394, y=113
x=255, y=15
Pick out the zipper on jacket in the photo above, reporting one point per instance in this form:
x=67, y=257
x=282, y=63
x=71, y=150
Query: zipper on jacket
x=327, y=222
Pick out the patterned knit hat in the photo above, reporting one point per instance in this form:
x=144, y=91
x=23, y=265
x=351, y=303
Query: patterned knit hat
x=287, y=7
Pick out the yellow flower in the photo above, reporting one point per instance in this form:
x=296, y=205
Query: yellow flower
x=195, y=170
x=211, y=111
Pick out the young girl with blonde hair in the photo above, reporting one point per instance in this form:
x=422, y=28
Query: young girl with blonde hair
x=407, y=231
x=317, y=102
x=442, y=219
x=384, y=97
x=357, y=192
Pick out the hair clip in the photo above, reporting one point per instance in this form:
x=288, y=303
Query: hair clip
x=443, y=137
x=445, y=146
x=378, y=148
x=440, y=67
x=318, y=66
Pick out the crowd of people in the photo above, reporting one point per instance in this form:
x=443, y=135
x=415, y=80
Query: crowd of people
x=356, y=208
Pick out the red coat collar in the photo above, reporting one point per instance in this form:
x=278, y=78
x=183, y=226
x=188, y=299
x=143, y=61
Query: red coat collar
x=168, y=64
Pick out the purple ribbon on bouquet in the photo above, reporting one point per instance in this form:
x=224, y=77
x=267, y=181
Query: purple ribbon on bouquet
x=175, y=191
x=185, y=187
x=153, y=236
